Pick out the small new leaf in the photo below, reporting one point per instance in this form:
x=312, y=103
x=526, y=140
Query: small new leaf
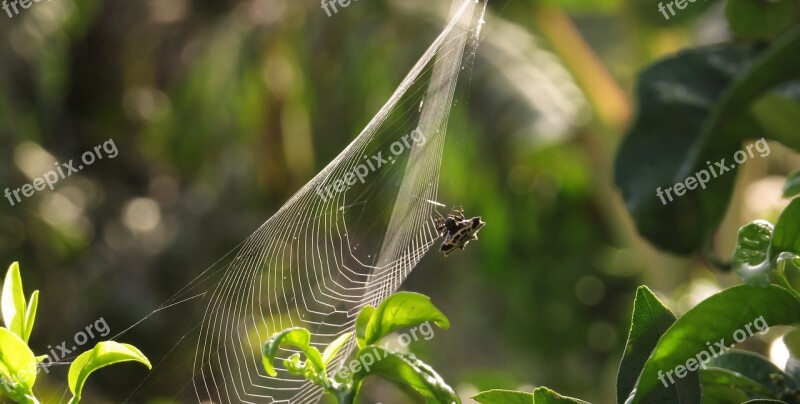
x=13, y=302
x=362, y=322
x=105, y=353
x=30, y=314
x=297, y=337
x=331, y=350
x=751, y=256
x=17, y=364
x=400, y=310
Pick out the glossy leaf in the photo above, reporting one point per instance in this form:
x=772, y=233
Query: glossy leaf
x=787, y=261
x=715, y=393
x=547, y=396
x=400, y=310
x=498, y=396
x=712, y=90
x=103, y=354
x=777, y=64
x=334, y=347
x=649, y=321
x=362, y=322
x=687, y=85
x=540, y=395
x=30, y=314
x=754, y=367
x=786, y=237
x=405, y=371
x=779, y=114
x=17, y=364
x=297, y=337
x=751, y=256
x=13, y=302
x=694, y=336
x=728, y=378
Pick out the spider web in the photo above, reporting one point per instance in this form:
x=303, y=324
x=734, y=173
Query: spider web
x=341, y=242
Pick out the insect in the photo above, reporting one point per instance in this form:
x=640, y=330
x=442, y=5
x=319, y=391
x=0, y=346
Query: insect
x=457, y=230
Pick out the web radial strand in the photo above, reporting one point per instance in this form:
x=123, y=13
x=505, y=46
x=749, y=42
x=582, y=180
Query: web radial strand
x=348, y=238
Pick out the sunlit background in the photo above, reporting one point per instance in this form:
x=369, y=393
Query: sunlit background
x=221, y=110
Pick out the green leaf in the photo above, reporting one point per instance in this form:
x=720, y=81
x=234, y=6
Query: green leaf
x=362, y=322
x=778, y=64
x=649, y=321
x=786, y=236
x=331, y=350
x=751, y=256
x=30, y=314
x=543, y=395
x=779, y=114
x=792, y=186
x=405, y=371
x=498, y=396
x=540, y=395
x=17, y=365
x=297, y=337
x=715, y=393
x=103, y=354
x=761, y=19
x=694, y=336
x=730, y=379
x=756, y=369
x=786, y=260
x=400, y=310
x=675, y=97
x=695, y=109
x=13, y=302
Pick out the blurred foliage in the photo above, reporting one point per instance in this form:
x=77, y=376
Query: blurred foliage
x=221, y=110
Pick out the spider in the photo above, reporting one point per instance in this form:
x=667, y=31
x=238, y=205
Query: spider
x=457, y=230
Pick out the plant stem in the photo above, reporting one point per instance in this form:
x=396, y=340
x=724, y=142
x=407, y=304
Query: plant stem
x=345, y=396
